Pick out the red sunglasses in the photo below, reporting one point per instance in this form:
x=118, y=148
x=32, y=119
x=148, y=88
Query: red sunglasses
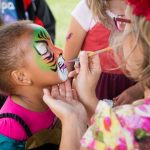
x=119, y=20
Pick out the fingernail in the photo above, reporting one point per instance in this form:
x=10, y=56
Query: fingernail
x=82, y=53
x=44, y=90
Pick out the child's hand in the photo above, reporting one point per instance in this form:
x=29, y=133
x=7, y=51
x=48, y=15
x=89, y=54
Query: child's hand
x=63, y=101
x=87, y=75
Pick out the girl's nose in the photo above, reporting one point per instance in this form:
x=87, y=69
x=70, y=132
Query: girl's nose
x=57, y=51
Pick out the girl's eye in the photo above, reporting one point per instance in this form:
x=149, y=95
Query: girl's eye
x=42, y=48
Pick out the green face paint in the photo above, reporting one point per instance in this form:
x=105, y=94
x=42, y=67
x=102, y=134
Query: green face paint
x=44, y=56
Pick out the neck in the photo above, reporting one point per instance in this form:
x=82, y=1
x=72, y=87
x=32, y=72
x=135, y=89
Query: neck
x=117, y=6
x=147, y=93
x=31, y=100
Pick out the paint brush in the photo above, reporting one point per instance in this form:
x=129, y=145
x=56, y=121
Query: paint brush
x=90, y=53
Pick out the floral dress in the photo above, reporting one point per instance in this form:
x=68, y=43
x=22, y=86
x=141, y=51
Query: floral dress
x=119, y=128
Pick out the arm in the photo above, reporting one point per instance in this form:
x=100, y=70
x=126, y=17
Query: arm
x=129, y=95
x=71, y=135
x=86, y=80
x=79, y=26
x=71, y=113
x=74, y=41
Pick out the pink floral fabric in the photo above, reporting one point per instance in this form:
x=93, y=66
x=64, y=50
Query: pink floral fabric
x=118, y=128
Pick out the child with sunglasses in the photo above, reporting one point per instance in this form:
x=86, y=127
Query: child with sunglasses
x=29, y=62
x=90, y=29
x=125, y=127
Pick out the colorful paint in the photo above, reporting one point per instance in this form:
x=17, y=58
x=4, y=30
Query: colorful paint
x=45, y=56
x=48, y=57
x=62, y=69
x=69, y=36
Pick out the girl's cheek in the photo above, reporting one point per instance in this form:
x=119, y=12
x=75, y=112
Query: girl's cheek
x=57, y=52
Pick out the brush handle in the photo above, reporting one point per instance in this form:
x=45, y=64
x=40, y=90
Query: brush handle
x=90, y=53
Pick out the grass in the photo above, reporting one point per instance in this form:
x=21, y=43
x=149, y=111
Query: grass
x=62, y=12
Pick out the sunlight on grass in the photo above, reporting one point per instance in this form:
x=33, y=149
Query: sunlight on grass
x=62, y=12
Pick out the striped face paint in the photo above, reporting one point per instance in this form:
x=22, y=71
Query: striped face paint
x=48, y=57
x=62, y=69
x=45, y=56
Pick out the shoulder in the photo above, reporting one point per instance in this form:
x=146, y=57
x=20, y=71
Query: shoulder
x=105, y=131
x=138, y=107
x=82, y=14
x=12, y=129
x=82, y=6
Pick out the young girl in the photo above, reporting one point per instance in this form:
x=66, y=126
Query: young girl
x=125, y=127
x=28, y=63
x=91, y=25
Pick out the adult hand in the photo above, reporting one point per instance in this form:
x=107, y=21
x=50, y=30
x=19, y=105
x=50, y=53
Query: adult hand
x=131, y=94
x=86, y=78
x=64, y=102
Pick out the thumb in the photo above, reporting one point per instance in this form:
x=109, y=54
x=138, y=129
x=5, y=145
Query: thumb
x=57, y=106
x=95, y=64
x=84, y=62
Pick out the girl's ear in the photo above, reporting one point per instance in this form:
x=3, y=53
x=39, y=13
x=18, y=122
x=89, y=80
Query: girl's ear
x=20, y=77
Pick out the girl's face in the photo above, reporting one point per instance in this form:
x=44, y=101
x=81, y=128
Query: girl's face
x=46, y=62
x=132, y=50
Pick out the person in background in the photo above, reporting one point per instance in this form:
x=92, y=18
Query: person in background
x=126, y=127
x=92, y=23
x=36, y=10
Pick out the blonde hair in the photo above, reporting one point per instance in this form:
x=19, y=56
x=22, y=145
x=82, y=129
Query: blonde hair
x=140, y=30
x=143, y=26
x=98, y=8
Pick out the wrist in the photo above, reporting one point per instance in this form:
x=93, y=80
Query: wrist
x=75, y=122
x=72, y=132
x=90, y=105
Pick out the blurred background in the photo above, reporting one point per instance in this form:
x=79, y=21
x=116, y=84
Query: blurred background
x=61, y=9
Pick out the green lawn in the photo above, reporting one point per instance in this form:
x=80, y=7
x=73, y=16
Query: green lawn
x=62, y=12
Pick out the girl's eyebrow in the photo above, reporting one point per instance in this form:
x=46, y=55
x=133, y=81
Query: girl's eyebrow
x=42, y=41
